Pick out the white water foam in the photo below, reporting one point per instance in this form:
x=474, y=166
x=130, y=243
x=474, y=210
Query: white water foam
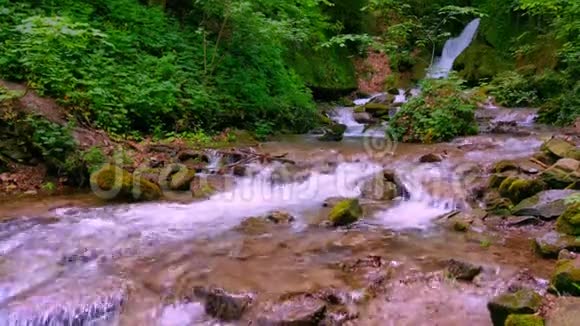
x=452, y=49
x=345, y=116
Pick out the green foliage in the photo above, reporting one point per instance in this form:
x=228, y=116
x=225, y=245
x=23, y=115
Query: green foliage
x=263, y=130
x=93, y=159
x=127, y=67
x=442, y=111
x=53, y=141
x=563, y=109
x=48, y=187
x=512, y=89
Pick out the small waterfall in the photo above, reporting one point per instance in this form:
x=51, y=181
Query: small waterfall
x=215, y=159
x=452, y=49
x=364, y=101
x=345, y=116
x=401, y=97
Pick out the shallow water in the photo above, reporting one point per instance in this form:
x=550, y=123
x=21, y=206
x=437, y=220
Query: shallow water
x=76, y=261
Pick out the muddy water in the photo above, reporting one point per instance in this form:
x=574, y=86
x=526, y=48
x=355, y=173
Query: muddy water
x=76, y=261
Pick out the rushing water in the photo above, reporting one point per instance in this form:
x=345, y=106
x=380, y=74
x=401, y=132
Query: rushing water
x=452, y=49
x=81, y=267
x=345, y=116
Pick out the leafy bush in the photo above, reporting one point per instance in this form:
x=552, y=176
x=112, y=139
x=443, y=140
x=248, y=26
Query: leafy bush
x=562, y=110
x=54, y=142
x=441, y=112
x=512, y=89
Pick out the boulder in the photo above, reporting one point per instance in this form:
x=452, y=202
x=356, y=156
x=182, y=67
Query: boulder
x=181, y=180
x=497, y=205
x=569, y=222
x=254, y=226
x=303, y=310
x=112, y=182
x=280, y=217
x=223, y=305
x=565, y=312
x=518, y=189
x=334, y=132
x=204, y=186
x=563, y=174
x=430, y=158
x=379, y=189
x=550, y=244
x=566, y=278
x=364, y=118
x=193, y=159
x=377, y=110
x=522, y=302
x=462, y=271
x=524, y=320
x=547, y=205
x=345, y=212
x=503, y=166
x=561, y=148
x=289, y=173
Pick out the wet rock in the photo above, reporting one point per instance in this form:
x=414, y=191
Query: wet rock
x=239, y=170
x=547, y=205
x=565, y=312
x=79, y=256
x=569, y=221
x=521, y=302
x=330, y=202
x=290, y=173
x=254, y=226
x=518, y=189
x=430, y=158
x=503, y=166
x=364, y=118
x=224, y=305
x=303, y=310
x=333, y=132
x=280, y=217
x=566, y=254
x=204, y=186
x=496, y=204
x=193, y=159
x=517, y=221
x=564, y=174
x=462, y=271
x=345, y=212
x=550, y=244
x=545, y=158
x=377, y=110
x=561, y=148
x=181, y=180
x=379, y=189
x=115, y=183
x=524, y=320
x=566, y=278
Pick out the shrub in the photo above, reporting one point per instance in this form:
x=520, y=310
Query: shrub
x=441, y=112
x=512, y=89
x=562, y=110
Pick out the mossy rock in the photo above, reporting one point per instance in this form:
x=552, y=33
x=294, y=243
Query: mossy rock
x=334, y=132
x=566, y=278
x=495, y=180
x=552, y=243
x=547, y=205
x=377, y=109
x=524, y=301
x=569, y=222
x=497, y=205
x=524, y=320
x=518, y=189
x=345, y=212
x=120, y=184
x=359, y=109
x=181, y=180
x=503, y=166
x=561, y=149
x=462, y=271
x=563, y=174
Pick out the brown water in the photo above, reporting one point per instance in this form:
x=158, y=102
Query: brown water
x=76, y=261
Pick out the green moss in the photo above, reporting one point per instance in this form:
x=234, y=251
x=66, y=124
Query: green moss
x=566, y=278
x=569, y=222
x=345, y=212
x=518, y=189
x=123, y=185
x=524, y=320
x=495, y=180
x=525, y=301
x=480, y=62
x=182, y=180
x=503, y=166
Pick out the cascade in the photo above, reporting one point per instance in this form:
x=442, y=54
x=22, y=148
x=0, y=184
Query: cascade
x=452, y=49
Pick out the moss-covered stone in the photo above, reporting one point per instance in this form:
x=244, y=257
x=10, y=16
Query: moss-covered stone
x=462, y=271
x=495, y=180
x=181, y=180
x=550, y=244
x=566, y=278
x=345, y=212
x=503, y=166
x=518, y=189
x=497, y=205
x=563, y=174
x=569, y=222
x=113, y=182
x=547, y=205
x=334, y=132
x=377, y=109
x=524, y=301
x=561, y=149
x=524, y=320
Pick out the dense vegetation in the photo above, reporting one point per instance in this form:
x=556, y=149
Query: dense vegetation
x=441, y=112
x=131, y=68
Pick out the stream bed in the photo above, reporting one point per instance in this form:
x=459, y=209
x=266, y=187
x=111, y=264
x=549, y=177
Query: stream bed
x=78, y=261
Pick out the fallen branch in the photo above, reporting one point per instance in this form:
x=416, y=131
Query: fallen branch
x=535, y=161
